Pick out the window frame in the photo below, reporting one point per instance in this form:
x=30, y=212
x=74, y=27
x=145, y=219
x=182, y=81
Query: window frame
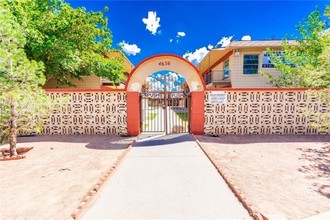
x=226, y=68
x=258, y=64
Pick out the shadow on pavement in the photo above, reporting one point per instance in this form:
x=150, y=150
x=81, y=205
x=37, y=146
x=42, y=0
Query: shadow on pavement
x=162, y=140
x=97, y=142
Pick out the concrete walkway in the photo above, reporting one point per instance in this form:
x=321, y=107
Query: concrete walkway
x=158, y=122
x=168, y=177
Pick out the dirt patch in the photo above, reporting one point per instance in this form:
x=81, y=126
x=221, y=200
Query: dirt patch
x=281, y=175
x=56, y=174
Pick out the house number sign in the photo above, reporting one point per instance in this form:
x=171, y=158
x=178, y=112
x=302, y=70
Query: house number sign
x=164, y=63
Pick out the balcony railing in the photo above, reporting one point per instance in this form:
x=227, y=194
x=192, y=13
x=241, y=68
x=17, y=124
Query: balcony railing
x=217, y=76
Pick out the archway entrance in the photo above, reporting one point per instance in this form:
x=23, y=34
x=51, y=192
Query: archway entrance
x=165, y=103
x=136, y=88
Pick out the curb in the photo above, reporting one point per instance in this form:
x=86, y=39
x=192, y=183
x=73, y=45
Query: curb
x=96, y=188
x=255, y=214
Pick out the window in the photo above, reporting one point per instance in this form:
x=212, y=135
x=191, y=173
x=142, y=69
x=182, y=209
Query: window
x=266, y=59
x=226, y=69
x=251, y=64
x=208, y=78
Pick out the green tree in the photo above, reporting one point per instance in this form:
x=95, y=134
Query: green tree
x=69, y=41
x=21, y=98
x=321, y=77
x=306, y=64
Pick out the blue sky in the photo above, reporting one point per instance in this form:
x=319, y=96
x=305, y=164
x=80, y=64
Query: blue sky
x=191, y=28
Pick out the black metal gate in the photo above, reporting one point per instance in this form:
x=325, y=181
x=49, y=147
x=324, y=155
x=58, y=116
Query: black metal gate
x=165, y=104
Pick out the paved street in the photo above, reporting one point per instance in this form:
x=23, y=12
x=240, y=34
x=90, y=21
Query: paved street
x=168, y=177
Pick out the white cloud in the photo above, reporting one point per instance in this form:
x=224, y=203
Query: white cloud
x=225, y=41
x=196, y=56
x=210, y=47
x=181, y=34
x=173, y=81
x=173, y=76
x=130, y=49
x=152, y=22
x=154, y=83
x=246, y=37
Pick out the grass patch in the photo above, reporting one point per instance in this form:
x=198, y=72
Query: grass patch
x=151, y=116
x=184, y=116
x=145, y=126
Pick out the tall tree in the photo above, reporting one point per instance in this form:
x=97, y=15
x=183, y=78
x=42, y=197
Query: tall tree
x=69, y=41
x=21, y=98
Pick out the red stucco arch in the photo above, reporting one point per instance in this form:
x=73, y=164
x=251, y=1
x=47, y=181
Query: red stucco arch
x=177, y=64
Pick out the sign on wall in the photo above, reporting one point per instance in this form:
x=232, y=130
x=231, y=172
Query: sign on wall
x=217, y=97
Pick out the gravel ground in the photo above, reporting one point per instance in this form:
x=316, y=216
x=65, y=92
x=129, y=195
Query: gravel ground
x=56, y=174
x=283, y=176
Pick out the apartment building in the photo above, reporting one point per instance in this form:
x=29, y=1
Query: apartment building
x=239, y=64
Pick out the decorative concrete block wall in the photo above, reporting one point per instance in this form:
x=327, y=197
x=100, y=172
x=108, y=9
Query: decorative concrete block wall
x=88, y=113
x=260, y=112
